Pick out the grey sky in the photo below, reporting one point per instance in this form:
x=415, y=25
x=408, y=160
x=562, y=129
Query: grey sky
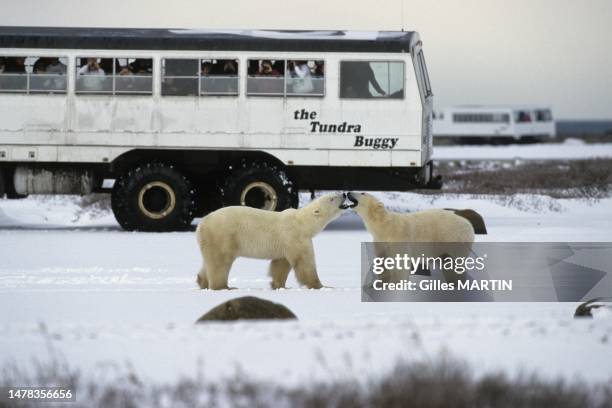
x=479, y=51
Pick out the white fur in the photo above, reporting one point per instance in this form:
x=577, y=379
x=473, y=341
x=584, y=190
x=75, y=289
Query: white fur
x=283, y=237
x=428, y=226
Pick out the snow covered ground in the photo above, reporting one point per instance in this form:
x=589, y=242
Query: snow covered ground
x=571, y=149
x=73, y=283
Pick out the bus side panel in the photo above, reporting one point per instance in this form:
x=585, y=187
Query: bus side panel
x=32, y=119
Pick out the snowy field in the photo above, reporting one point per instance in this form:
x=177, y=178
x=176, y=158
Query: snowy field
x=73, y=284
x=570, y=149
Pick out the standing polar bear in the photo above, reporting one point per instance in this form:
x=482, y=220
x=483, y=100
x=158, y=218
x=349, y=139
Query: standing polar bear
x=283, y=237
x=433, y=233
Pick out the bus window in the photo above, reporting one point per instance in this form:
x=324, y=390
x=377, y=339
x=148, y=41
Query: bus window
x=376, y=79
x=305, y=78
x=522, y=116
x=33, y=75
x=266, y=77
x=94, y=76
x=424, y=73
x=219, y=77
x=133, y=76
x=481, y=118
x=180, y=77
x=114, y=76
x=543, y=115
x=286, y=77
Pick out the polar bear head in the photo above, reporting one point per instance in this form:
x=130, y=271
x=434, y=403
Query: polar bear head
x=324, y=210
x=366, y=205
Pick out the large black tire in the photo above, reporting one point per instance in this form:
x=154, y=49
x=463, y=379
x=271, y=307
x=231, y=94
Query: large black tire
x=7, y=187
x=153, y=197
x=259, y=185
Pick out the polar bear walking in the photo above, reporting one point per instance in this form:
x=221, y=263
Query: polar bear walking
x=283, y=237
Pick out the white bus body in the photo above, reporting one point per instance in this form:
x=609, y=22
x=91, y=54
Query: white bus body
x=58, y=139
x=495, y=122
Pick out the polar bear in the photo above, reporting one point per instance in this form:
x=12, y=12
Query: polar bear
x=443, y=233
x=283, y=237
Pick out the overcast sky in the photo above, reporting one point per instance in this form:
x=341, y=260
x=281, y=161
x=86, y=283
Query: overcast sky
x=556, y=52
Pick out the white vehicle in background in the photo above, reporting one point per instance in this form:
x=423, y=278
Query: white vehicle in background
x=185, y=121
x=495, y=123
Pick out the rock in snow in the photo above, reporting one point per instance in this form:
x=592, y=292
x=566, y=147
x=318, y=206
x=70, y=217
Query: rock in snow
x=247, y=307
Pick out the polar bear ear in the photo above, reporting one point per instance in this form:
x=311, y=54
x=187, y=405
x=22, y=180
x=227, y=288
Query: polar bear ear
x=317, y=212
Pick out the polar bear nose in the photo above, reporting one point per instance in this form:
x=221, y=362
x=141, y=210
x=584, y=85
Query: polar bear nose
x=352, y=199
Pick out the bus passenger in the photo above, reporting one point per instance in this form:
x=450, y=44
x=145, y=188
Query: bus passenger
x=10, y=67
x=56, y=67
x=279, y=66
x=92, y=75
x=125, y=71
x=206, y=69
x=40, y=67
x=58, y=70
x=14, y=65
x=229, y=68
x=141, y=67
x=356, y=78
x=319, y=69
x=270, y=80
x=266, y=69
x=92, y=67
x=303, y=82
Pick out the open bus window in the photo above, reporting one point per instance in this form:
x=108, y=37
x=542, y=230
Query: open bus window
x=286, y=77
x=305, y=78
x=266, y=77
x=180, y=77
x=219, y=77
x=114, y=76
x=377, y=79
x=33, y=75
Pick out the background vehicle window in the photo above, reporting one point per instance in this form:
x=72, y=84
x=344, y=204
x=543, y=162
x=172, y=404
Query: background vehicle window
x=522, y=116
x=33, y=75
x=481, y=118
x=286, y=77
x=180, y=77
x=376, y=79
x=114, y=76
x=543, y=115
x=219, y=77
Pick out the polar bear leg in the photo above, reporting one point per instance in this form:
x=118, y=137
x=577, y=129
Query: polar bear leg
x=202, y=279
x=279, y=270
x=303, y=262
x=217, y=271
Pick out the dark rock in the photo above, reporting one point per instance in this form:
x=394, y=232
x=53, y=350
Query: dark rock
x=247, y=307
x=474, y=218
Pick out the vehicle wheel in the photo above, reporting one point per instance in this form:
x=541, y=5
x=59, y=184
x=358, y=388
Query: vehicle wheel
x=7, y=187
x=153, y=197
x=260, y=185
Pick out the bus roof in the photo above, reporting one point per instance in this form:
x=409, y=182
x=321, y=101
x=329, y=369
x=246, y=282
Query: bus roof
x=213, y=40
